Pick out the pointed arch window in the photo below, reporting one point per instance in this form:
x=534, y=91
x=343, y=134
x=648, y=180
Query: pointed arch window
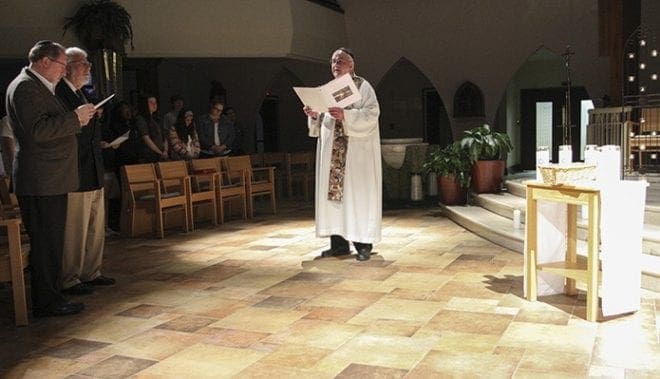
x=468, y=101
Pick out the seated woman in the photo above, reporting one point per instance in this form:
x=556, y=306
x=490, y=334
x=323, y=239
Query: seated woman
x=183, y=138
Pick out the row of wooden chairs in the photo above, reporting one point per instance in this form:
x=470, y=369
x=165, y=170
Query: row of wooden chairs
x=295, y=170
x=181, y=186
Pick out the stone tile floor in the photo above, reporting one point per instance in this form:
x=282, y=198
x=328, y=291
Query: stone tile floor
x=252, y=299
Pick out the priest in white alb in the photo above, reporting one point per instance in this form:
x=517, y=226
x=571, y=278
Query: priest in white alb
x=348, y=168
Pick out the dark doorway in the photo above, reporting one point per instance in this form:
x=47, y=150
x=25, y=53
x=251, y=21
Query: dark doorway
x=552, y=100
x=437, y=130
x=270, y=115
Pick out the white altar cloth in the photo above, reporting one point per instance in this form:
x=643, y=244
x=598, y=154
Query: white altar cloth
x=621, y=226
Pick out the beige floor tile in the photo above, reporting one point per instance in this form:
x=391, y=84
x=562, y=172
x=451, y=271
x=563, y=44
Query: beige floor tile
x=44, y=367
x=468, y=342
x=397, y=309
x=293, y=355
x=345, y=299
x=321, y=334
x=155, y=344
x=547, y=337
x=471, y=322
x=203, y=361
x=439, y=364
x=110, y=328
x=385, y=351
x=268, y=371
x=265, y=320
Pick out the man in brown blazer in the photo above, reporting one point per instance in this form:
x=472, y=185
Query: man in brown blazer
x=46, y=169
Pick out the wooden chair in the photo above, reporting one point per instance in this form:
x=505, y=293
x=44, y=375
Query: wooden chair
x=171, y=173
x=143, y=190
x=12, y=263
x=258, y=181
x=300, y=170
x=277, y=160
x=8, y=202
x=226, y=191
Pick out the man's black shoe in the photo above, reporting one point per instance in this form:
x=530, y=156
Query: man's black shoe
x=79, y=289
x=61, y=309
x=363, y=254
x=101, y=281
x=334, y=252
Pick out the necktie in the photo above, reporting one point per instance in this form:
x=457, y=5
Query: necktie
x=81, y=96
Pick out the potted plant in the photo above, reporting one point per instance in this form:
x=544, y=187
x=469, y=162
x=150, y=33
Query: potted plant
x=103, y=28
x=487, y=151
x=452, y=166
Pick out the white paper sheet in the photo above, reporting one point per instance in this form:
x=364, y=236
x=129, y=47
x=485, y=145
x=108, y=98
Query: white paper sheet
x=100, y=104
x=340, y=92
x=119, y=140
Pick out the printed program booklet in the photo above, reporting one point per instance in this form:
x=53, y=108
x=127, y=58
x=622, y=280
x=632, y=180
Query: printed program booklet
x=340, y=92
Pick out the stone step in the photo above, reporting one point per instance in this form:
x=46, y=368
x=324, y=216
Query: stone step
x=499, y=229
x=504, y=203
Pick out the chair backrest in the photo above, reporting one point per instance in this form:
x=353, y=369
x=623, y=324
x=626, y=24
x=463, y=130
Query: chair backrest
x=257, y=159
x=170, y=174
x=206, y=165
x=138, y=177
x=300, y=162
x=274, y=159
x=237, y=165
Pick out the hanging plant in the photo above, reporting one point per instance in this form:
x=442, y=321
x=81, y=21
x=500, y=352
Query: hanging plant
x=102, y=24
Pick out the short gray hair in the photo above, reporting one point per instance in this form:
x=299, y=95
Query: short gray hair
x=73, y=53
x=43, y=49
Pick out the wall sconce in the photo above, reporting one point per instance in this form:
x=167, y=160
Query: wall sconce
x=631, y=78
x=642, y=89
x=654, y=53
x=642, y=66
x=654, y=76
x=631, y=55
x=642, y=42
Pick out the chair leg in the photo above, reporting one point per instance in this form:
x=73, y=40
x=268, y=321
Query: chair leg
x=244, y=199
x=17, y=278
x=158, y=214
x=214, y=207
x=191, y=218
x=273, y=202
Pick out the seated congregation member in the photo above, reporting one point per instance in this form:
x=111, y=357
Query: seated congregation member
x=84, y=232
x=184, y=143
x=237, y=146
x=216, y=133
x=176, y=102
x=121, y=122
x=154, y=143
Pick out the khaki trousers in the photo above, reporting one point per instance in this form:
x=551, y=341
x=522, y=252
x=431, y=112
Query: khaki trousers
x=84, y=237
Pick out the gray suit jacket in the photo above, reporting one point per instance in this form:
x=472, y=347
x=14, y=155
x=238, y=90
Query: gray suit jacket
x=47, y=162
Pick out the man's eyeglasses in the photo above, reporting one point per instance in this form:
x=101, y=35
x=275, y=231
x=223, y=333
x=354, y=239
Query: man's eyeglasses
x=83, y=63
x=217, y=109
x=56, y=61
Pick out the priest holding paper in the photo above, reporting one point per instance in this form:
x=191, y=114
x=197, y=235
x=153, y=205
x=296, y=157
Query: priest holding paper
x=348, y=164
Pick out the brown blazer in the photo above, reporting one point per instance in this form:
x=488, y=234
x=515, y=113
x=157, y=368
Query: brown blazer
x=47, y=160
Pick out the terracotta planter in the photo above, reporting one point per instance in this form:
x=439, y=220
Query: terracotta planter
x=487, y=176
x=450, y=191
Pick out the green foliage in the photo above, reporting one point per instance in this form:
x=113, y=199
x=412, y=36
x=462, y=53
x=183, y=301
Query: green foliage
x=482, y=143
x=451, y=160
x=101, y=24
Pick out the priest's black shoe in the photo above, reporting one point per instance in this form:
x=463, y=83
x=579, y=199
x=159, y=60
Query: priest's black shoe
x=101, y=281
x=334, y=252
x=79, y=289
x=363, y=253
x=61, y=309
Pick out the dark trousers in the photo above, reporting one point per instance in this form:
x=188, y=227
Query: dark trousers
x=44, y=218
x=339, y=243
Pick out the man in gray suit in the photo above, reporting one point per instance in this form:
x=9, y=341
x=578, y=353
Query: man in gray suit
x=45, y=169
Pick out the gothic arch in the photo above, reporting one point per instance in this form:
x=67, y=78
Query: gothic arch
x=411, y=106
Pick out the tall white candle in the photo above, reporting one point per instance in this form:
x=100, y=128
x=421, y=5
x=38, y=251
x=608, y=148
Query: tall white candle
x=565, y=154
x=609, y=163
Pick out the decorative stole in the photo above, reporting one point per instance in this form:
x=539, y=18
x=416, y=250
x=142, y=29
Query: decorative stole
x=338, y=158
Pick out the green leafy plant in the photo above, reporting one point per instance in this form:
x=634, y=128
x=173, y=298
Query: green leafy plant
x=482, y=143
x=102, y=24
x=451, y=160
